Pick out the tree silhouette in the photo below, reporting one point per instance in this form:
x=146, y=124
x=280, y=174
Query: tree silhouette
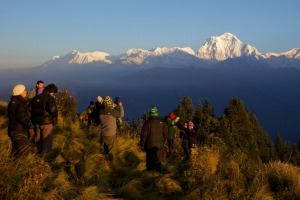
x=185, y=111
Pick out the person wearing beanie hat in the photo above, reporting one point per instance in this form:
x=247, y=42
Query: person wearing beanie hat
x=153, y=137
x=190, y=124
x=108, y=101
x=18, y=90
x=172, y=115
x=108, y=122
x=153, y=112
x=99, y=106
x=99, y=99
x=44, y=115
x=172, y=129
x=19, y=127
x=191, y=137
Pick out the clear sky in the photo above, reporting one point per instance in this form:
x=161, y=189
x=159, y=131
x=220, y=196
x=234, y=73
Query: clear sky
x=33, y=31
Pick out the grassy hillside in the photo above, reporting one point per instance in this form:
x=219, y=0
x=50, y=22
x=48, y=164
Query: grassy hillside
x=76, y=169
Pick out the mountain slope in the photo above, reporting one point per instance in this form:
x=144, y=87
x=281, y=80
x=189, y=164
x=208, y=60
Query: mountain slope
x=225, y=46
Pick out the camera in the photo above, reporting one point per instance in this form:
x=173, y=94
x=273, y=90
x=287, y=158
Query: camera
x=117, y=100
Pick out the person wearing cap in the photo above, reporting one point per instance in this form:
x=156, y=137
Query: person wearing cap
x=172, y=128
x=44, y=115
x=108, y=122
x=19, y=127
x=153, y=137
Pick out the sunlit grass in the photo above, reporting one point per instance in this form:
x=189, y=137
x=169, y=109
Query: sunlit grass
x=76, y=169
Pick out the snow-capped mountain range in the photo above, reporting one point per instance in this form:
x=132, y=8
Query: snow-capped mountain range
x=215, y=49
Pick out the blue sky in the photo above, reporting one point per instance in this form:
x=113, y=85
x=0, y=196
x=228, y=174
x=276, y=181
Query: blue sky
x=33, y=31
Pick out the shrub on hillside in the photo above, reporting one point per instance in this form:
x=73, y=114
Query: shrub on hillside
x=3, y=108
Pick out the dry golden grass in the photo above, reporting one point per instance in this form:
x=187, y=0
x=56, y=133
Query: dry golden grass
x=283, y=179
x=75, y=169
x=168, y=186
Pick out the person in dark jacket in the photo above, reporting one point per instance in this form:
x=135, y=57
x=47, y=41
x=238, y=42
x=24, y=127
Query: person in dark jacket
x=91, y=113
x=44, y=115
x=35, y=91
x=19, y=129
x=99, y=106
x=108, y=122
x=191, y=138
x=153, y=138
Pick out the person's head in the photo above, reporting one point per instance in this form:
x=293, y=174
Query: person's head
x=172, y=116
x=99, y=99
x=190, y=125
x=40, y=84
x=92, y=103
x=108, y=101
x=51, y=88
x=19, y=90
x=153, y=112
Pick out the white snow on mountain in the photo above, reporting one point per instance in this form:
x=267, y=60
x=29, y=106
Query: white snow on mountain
x=225, y=46
x=75, y=57
x=140, y=56
x=83, y=58
x=289, y=59
x=215, y=49
x=293, y=54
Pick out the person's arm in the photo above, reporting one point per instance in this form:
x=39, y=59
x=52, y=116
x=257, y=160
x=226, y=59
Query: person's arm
x=144, y=134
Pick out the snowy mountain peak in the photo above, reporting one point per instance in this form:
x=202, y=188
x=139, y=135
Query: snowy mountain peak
x=140, y=56
x=215, y=49
x=228, y=36
x=89, y=57
x=225, y=46
x=293, y=54
x=75, y=57
x=164, y=50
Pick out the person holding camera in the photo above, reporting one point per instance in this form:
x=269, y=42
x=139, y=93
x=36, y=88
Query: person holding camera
x=108, y=122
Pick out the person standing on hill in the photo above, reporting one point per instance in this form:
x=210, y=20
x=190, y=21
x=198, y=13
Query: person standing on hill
x=153, y=137
x=19, y=128
x=172, y=128
x=91, y=113
x=99, y=106
x=108, y=123
x=36, y=91
x=44, y=116
x=191, y=137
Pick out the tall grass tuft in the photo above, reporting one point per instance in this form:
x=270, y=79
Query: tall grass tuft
x=92, y=192
x=131, y=189
x=283, y=180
